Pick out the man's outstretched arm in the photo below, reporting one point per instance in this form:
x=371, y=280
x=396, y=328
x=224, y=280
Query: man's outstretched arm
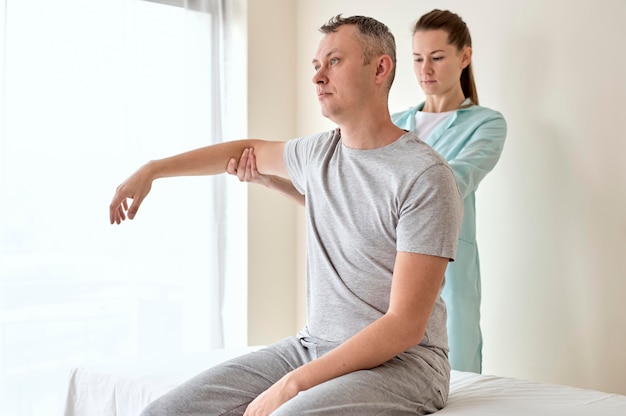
x=210, y=160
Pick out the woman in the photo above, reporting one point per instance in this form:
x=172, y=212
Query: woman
x=471, y=139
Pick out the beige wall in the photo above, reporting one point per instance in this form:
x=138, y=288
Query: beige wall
x=271, y=47
x=551, y=222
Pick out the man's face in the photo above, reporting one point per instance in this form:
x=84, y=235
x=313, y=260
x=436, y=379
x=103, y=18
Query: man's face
x=342, y=80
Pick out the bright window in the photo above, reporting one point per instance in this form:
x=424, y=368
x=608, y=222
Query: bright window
x=91, y=89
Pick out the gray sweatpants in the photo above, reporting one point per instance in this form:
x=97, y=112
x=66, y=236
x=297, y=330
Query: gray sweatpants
x=409, y=384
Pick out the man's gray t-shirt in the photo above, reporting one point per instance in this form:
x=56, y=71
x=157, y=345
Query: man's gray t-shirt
x=362, y=207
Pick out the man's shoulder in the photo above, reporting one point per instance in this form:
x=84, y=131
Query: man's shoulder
x=323, y=137
x=415, y=156
x=422, y=148
x=307, y=147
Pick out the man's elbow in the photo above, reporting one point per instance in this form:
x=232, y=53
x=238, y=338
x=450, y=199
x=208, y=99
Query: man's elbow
x=409, y=333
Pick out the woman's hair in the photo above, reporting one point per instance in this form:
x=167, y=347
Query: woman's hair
x=458, y=35
x=375, y=37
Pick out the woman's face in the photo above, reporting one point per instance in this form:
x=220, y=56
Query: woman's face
x=438, y=64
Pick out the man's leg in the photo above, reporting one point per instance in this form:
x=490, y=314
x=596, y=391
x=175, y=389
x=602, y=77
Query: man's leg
x=228, y=388
x=408, y=385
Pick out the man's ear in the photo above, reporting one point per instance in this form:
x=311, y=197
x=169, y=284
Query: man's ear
x=384, y=68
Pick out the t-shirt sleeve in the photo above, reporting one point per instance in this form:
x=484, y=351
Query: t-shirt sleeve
x=300, y=154
x=430, y=217
x=295, y=155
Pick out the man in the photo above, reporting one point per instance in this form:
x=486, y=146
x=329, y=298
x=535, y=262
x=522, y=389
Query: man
x=383, y=214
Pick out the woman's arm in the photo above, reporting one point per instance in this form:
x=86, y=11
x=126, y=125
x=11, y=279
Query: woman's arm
x=245, y=169
x=479, y=155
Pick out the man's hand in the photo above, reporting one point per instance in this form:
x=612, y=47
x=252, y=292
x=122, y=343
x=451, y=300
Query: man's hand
x=271, y=399
x=136, y=187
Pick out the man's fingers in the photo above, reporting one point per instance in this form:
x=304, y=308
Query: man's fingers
x=114, y=208
x=134, y=207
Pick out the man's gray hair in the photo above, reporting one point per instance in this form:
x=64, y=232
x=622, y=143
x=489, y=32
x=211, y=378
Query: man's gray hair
x=375, y=37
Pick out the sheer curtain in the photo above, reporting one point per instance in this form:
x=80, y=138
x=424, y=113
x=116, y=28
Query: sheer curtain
x=90, y=90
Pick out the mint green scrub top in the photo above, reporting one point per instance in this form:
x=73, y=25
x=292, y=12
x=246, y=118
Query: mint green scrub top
x=471, y=140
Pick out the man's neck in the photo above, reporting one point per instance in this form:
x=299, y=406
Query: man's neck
x=369, y=134
x=369, y=130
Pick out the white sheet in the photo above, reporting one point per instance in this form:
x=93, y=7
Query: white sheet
x=485, y=395
x=126, y=388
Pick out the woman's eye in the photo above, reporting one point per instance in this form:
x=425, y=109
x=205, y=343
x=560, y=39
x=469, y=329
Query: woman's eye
x=437, y=58
x=333, y=61
x=418, y=60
